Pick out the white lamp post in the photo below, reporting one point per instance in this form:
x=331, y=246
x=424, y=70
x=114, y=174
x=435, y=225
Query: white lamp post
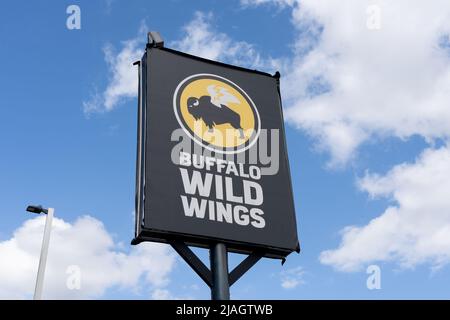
x=44, y=250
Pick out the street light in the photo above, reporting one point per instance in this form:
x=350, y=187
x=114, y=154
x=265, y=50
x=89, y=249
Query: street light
x=37, y=209
x=44, y=250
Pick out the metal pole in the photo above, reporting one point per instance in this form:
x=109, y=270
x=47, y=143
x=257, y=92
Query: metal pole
x=220, y=289
x=44, y=252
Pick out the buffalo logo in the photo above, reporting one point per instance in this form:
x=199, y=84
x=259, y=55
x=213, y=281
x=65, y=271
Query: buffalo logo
x=216, y=113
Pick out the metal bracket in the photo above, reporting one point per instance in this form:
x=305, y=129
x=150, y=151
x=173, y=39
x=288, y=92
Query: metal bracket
x=243, y=267
x=193, y=261
x=202, y=270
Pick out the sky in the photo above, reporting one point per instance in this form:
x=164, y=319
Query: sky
x=366, y=91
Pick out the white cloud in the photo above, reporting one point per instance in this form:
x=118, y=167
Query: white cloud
x=281, y=3
x=414, y=230
x=87, y=245
x=348, y=83
x=199, y=38
x=108, y=5
x=162, y=294
x=165, y=294
x=202, y=39
x=292, y=278
x=123, y=80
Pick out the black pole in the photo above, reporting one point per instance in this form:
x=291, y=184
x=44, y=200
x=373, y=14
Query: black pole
x=220, y=289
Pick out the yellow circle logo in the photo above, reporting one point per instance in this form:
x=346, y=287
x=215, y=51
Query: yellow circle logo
x=216, y=113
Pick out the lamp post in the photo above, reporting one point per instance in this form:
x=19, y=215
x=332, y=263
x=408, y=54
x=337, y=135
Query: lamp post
x=44, y=250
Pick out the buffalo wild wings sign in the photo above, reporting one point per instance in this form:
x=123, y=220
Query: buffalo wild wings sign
x=212, y=163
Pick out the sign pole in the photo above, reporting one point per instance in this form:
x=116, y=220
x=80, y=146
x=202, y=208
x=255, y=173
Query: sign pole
x=220, y=289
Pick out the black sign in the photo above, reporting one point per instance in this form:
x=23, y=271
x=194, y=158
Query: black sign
x=212, y=163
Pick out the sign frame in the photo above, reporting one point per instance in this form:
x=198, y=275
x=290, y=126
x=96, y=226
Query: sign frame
x=143, y=233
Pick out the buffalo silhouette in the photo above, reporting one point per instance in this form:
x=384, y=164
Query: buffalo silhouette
x=213, y=114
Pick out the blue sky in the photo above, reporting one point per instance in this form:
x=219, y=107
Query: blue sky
x=367, y=145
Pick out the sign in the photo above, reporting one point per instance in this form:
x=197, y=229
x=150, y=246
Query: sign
x=211, y=162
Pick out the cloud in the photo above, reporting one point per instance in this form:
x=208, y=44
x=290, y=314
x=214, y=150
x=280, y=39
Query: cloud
x=350, y=81
x=123, y=79
x=344, y=83
x=281, y=3
x=108, y=5
x=164, y=294
x=414, y=230
x=199, y=38
x=84, y=245
x=292, y=278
